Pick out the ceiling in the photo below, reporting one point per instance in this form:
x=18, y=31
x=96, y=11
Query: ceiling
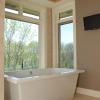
x=51, y=4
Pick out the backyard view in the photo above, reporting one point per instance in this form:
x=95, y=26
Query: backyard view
x=66, y=51
x=21, y=45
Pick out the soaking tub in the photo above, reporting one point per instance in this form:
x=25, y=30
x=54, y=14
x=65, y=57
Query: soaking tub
x=41, y=84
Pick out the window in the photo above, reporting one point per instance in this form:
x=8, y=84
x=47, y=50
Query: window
x=65, y=39
x=11, y=11
x=65, y=14
x=66, y=50
x=21, y=38
x=12, y=8
x=21, y=11
x=21, y=44
x=31, y=13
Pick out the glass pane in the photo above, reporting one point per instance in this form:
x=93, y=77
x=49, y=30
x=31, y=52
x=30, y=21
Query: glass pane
x=21, y=44
x=30, y=15
x=11, y=11
x=66, y=45
x=65, y=14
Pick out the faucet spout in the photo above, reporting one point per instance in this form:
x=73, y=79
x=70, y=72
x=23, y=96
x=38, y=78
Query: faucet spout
x=31, y=72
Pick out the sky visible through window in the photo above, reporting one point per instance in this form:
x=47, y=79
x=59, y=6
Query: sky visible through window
x=67, y=33
x=33, y=36
x=66, y=46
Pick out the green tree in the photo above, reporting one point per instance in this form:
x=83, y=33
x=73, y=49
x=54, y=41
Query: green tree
x=21, y=51
x=66, y=55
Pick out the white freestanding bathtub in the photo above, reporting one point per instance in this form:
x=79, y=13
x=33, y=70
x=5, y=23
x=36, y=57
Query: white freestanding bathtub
x=41, y=84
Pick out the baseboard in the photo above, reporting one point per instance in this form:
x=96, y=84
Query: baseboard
x=88, y=92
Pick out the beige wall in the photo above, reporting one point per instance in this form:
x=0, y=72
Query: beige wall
x=88, y=45
x=49, y=37
x=1, y=49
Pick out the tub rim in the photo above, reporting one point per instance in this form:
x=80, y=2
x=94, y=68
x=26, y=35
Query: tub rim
x=16, y=80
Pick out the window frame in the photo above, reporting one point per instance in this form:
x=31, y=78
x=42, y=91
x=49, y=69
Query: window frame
x=38, y=43
x=41, y=22
x=21, y=17
x=62, y=8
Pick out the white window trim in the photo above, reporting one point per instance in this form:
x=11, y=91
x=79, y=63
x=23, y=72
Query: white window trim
x=22, y=18
x=66, y=19
x=55, y=23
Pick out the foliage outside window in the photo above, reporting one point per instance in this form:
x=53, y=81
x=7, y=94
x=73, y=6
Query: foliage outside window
x=21, y=44
x=66, y=50
x=21, y=37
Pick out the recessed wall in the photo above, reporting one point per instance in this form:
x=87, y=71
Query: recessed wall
x=88, y=45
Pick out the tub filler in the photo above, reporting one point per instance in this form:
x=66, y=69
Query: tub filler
x=41, y=84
